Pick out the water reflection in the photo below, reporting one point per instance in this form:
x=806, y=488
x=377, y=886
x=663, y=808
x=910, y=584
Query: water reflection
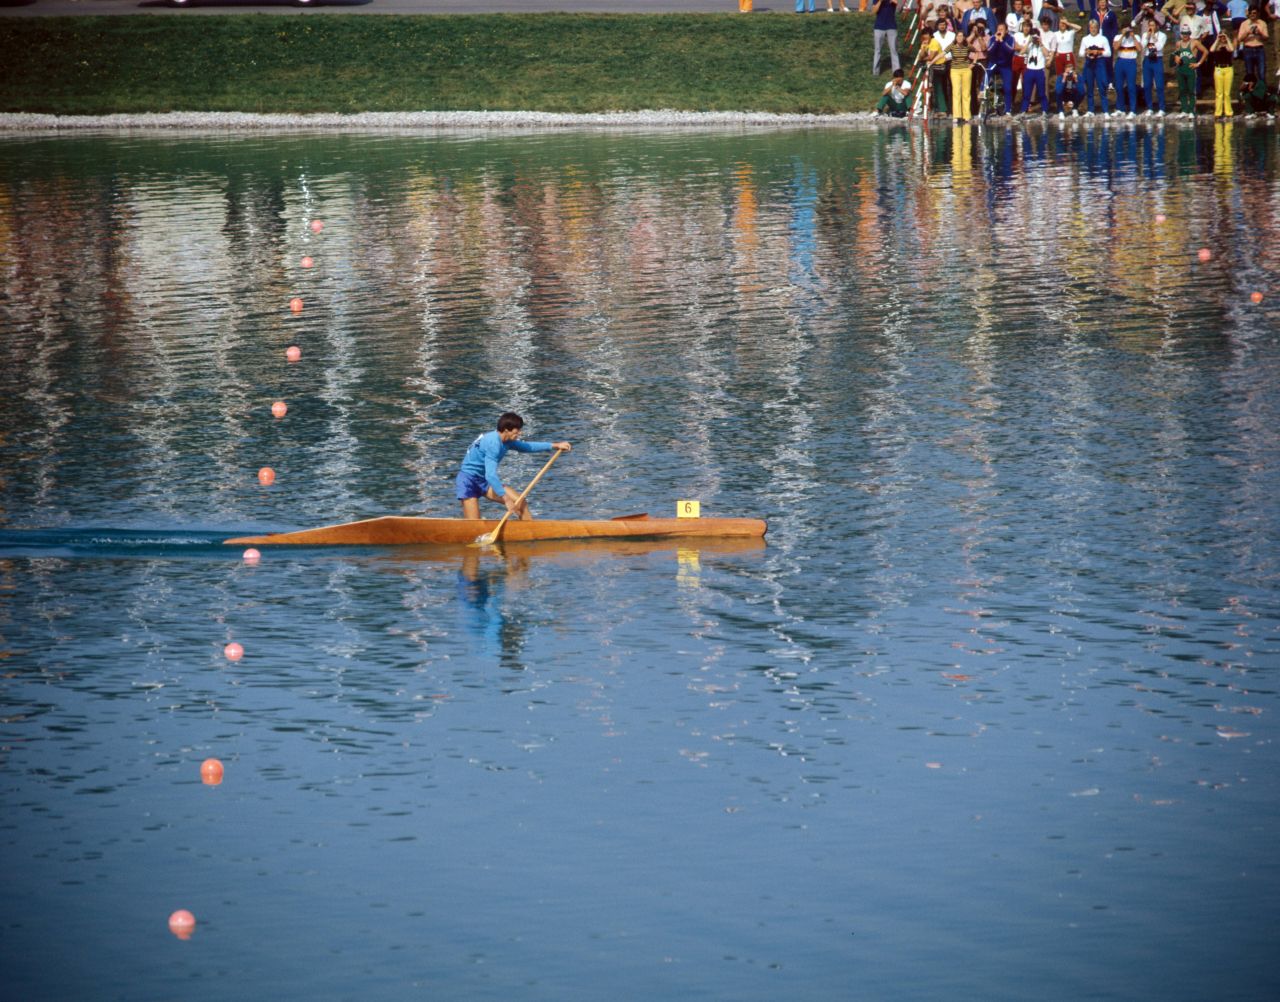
x=1018, y=450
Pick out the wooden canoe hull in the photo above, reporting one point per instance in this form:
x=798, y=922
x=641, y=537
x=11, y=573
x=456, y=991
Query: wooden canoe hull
x=395, y=530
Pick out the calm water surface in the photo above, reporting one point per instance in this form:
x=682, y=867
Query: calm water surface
x=992, y=715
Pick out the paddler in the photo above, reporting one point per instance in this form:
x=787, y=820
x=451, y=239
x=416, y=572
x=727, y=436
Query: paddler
x=479, y=477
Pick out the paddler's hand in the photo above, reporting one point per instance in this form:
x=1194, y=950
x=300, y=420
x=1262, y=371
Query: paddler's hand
x=562, y=446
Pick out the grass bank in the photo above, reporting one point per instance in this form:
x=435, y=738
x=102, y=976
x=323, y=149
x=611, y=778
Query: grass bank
x=350, y=63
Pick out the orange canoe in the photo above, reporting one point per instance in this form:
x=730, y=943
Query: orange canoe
x=394, y=530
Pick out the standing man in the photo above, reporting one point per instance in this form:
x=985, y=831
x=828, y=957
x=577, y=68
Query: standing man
x=478, y=478
x=885, y=30
x=1185, y=61
x=1252, y=41
x=939, y=55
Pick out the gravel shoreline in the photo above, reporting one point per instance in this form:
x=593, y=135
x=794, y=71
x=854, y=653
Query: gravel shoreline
x=242, y=121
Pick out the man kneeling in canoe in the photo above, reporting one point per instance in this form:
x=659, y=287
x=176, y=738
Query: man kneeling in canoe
x=479, y=477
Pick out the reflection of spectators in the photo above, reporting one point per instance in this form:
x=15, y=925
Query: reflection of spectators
x=896, y=94
x=886, y=30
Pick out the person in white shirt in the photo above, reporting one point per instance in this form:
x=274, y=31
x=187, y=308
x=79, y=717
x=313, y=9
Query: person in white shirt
x=1020, y=39
x=1064, y=54
x=1013, y=20
x=1153, y=42
x=1128, y=55
x=1036, y=59
x=1095, y=50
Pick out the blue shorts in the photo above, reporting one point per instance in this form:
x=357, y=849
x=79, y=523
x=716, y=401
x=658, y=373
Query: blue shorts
x=471, y=486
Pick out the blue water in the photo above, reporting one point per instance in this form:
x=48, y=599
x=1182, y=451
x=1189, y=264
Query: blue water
x=991, y=713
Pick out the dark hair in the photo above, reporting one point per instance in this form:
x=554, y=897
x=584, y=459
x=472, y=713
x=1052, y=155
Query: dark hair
x=510, y=422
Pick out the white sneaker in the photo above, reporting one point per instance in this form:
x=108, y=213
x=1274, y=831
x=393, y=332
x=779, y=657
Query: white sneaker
x=1132, y=115
x=1160, y=114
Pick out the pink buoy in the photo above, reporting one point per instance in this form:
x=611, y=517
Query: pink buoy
x=1204, y=255
x=317, y=225
x=279, y=409
x=295, y=304
x=233, y=651
x=266, y=476
x=293, y=353
x=307, y=262
x=251, y=556
x=1161, y=217
x=182, y=923
x=211, y=772
x=1255, y=297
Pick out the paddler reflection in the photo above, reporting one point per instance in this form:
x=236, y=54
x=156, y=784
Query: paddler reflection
x=482, y=587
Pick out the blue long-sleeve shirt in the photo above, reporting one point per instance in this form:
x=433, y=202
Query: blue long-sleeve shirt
x=1000, y=54
x=486, y=452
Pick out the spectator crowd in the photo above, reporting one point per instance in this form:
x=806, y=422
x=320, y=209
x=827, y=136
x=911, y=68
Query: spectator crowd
x=1020, y=56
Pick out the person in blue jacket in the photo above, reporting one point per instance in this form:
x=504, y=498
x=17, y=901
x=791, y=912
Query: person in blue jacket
x=478, y=478
x=1000, y=64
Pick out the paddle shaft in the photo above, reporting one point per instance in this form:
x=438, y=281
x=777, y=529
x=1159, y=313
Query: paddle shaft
x=492, y=537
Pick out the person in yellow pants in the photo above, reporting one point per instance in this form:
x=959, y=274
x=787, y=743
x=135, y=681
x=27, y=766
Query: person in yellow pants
x=961, y=78
x=1221, y=56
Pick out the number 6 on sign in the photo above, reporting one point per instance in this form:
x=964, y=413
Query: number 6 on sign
x=688, y=509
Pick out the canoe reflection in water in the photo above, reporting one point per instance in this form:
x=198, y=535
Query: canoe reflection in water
x=488, y=575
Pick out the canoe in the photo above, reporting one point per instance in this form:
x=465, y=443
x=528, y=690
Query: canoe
x=395, y=530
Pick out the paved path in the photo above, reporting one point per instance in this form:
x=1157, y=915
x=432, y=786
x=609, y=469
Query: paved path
x=73, y=7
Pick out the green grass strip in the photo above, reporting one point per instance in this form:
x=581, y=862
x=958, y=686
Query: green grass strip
x=351, y=63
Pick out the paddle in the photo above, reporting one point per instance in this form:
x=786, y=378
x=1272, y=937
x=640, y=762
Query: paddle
x=489, y=538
